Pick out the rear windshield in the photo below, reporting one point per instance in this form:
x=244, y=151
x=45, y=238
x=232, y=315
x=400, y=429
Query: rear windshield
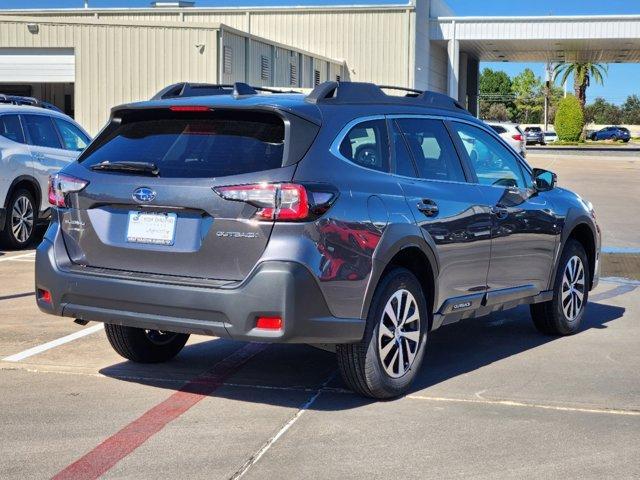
x=199, y=145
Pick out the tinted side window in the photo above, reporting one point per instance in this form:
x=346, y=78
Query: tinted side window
x=10, y=128
x=72, y=136
x=432, y=149
x=498, y=129
x=367, y=145
x=41, y=131
x=403, y=163
x=493, y=162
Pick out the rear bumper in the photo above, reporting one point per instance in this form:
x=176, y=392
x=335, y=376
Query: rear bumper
x=275, y=288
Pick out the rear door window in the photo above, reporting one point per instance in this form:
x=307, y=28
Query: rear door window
x=432, y=149
x=367, y=145
x=10, y=128
x=41, y=132
x=197, y=146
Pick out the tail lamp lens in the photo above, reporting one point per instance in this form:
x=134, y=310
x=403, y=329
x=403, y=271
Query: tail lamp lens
x=517, y=137
x=275, y=201
x=60, y=185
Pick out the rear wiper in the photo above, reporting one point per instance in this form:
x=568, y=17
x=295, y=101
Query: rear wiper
x=132, y=167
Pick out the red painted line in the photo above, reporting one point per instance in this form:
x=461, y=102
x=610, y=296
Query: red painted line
x=103, y=457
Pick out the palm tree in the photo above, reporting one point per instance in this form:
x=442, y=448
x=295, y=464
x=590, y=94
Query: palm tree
x=582, y=75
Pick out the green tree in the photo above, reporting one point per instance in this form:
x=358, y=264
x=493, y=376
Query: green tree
x=602, y=112
x=495, y=87
x=569, y=121
x=529, y=96
x=498, y=111
x=631, y=110
x=582, y=72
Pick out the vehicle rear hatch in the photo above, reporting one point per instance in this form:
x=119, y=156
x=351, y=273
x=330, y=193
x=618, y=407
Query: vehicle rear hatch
x=173, y=223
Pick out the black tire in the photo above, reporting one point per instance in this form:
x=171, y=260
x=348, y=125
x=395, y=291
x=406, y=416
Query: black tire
x=144, y=346
x=626, y=140
x=8, y=237
x=360, y=363
x=550, y=317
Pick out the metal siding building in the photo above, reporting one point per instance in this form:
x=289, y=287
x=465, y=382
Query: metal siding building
x=109, y=56
x=98, y=63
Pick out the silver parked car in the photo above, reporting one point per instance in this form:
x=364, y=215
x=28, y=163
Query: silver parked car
x=512, y=134
x=34, y=143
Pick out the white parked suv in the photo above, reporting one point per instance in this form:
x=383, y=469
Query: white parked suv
x=34, y=143
x=512, y=134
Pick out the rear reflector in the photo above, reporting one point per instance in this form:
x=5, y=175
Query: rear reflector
x=189, y=108
x=44, y=295
x=269, y=323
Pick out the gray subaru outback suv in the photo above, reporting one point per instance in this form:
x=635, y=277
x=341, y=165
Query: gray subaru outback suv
x=346, y=217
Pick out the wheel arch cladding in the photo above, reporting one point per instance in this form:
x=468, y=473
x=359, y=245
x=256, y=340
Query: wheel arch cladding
x=28, y=183
x=584, y=235
x=403, y=245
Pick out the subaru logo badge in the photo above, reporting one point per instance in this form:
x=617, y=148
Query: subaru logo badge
x=144, y=195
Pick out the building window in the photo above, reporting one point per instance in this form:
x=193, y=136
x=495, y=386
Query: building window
x=227, y=53
x=316, y=77
x=293, y=74
x=265, y=68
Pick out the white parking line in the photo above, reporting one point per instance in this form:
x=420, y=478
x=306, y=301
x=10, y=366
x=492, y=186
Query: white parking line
x=54, y=343
x=512, y=403
x=269, y=443
x=17, y=257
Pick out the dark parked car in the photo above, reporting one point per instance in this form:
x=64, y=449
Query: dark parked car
x=534, y=135
x=345, y=217
x=611, y=133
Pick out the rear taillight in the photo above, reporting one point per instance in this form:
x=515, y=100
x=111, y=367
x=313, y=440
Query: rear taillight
x=281, y=201
x=60, y=185
x=517, y=137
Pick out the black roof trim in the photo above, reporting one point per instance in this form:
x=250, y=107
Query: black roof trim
x=28, y=101
x=186, y=89
x=336, y=93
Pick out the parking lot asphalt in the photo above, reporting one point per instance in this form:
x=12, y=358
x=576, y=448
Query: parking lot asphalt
x=495, y=399
x=610, y=182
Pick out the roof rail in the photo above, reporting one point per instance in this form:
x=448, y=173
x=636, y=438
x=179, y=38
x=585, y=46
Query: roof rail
x=186, y=89
x=335, y=93
x=28, y=101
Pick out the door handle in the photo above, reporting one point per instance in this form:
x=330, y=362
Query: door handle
x=500, y=212
x=428, y=207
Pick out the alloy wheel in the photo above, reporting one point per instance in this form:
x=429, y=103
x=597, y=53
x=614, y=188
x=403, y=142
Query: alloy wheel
x=22, y=219
x=399, y=333
x=573, y=288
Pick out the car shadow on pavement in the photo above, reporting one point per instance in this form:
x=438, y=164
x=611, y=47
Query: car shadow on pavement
x=453, y=350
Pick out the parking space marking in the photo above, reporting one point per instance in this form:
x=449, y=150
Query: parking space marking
x=16, y=295
x=512, y=403
x=103, y=457
x=52, y=344
x=269, y=443
x=18, y=257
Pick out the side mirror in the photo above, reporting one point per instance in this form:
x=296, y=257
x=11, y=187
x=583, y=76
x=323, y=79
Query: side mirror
x=545, y=180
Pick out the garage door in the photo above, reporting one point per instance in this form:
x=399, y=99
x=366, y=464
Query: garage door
x=35, y=65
